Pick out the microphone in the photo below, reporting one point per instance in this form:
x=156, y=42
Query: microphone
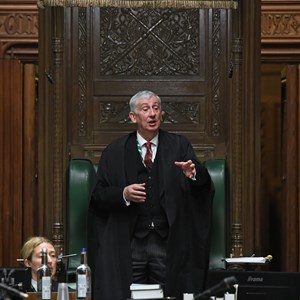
x=223, y=286
x=49, y=76
x=13, y=291
x=67, y=255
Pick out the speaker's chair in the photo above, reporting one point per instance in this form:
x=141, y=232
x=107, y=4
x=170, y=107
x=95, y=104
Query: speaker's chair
x=81, y=177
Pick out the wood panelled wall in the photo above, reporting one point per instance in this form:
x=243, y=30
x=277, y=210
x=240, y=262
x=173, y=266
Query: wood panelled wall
x=79, y=104
x=18, y=140
x=98, y=58
x=280, y=131
x=81, y=107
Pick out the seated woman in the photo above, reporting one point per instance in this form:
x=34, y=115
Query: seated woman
x=31, y=253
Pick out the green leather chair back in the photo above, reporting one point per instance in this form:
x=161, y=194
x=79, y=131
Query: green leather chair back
x=217, y=171
x=81, y=177
x=80, y=181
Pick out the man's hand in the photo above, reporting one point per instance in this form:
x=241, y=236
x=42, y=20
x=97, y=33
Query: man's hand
x=135, y=192
x=187, y=167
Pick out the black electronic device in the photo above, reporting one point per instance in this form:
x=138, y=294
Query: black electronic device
x=260, y=285
x=14, y=277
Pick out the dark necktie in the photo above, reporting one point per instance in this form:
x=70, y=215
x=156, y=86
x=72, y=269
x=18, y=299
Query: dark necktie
x=148, y=156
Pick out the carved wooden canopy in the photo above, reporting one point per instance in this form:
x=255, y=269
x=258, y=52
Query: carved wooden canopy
x=143, y=3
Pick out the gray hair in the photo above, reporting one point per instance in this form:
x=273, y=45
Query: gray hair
x=141, y=95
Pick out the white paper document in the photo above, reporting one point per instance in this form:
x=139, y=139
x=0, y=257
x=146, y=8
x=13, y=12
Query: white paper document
x=146, y=291
x=246, y=260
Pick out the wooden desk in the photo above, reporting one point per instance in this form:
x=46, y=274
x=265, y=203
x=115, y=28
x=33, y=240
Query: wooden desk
x=36, y=296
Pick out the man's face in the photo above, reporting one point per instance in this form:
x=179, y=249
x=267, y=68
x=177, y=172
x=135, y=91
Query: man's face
x=36, y=259
x=147, y=117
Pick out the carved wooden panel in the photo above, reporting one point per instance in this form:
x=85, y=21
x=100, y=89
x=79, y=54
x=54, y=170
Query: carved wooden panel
x=280, y=29
x=18, y=28
x=149, y=42
x=163, y=50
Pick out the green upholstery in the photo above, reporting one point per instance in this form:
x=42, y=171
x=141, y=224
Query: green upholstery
x=80, y=181
x=81, y=177
x=217, y=171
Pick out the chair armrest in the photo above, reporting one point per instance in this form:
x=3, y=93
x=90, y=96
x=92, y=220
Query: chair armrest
x=217, y=171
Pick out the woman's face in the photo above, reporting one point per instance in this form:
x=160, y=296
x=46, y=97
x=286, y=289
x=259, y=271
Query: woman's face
x=36, y=260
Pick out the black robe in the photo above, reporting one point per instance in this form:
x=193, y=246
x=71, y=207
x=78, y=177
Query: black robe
x=27, y=286
x=187, y=204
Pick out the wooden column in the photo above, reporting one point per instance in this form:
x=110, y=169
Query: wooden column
x=244, y=142
x=52, y=139
x=290, y=168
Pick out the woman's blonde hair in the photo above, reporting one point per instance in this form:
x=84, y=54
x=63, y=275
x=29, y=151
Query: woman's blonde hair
x=31, y=244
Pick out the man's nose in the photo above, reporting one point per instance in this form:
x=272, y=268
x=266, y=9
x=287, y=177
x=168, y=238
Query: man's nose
x=152, y=111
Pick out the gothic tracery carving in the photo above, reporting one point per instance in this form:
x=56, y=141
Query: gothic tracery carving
x=82, y=77
x=149, y=42
x=174, y=112
x=216, y=48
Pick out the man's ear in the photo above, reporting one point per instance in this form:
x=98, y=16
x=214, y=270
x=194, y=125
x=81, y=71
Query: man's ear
x=163, y=116
x=132, y=117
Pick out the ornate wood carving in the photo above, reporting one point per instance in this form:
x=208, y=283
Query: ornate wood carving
x=182, y=112
x=162, y=49
x=18, y=23
x=57, y=134
x=237, y=161
x=82, y=76
x=18, y=29
x=174, y=112
x=216, y=72
x=141, y=49
x=280, y=29
x=149, y=42
x=187, y=4
x=112, y=113
x=284, y=24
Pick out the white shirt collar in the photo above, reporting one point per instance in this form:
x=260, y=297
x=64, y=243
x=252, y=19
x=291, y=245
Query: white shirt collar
x=142, y=141
x=34, y=284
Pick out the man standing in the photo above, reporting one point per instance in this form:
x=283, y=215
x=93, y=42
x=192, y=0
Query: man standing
x=152, y=210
